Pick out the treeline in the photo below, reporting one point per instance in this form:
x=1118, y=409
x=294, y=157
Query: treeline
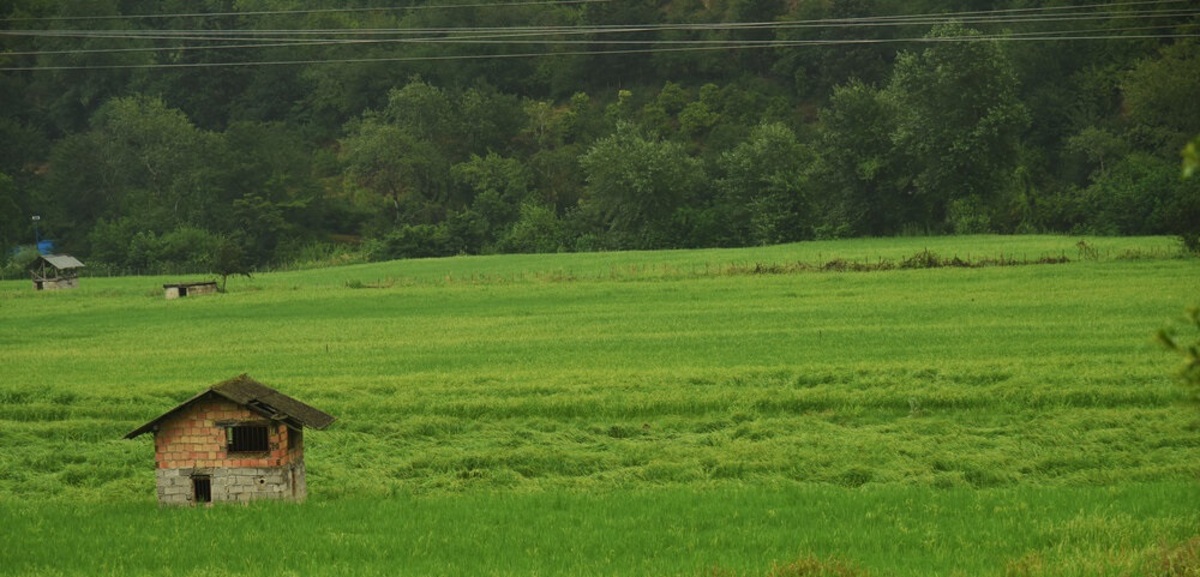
x=151, y=136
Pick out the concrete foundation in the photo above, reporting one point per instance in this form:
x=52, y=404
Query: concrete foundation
x=233, y=485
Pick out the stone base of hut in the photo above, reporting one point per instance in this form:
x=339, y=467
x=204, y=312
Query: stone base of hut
x=178, y=290
x=51, y=284
x=231, y=485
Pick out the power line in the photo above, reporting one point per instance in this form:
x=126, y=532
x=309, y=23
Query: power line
x=309, y=11
x=740, y=45
x=516, y=38
x=1044, y=9
x=990, y=17
x=557, y=35
x=300, y=36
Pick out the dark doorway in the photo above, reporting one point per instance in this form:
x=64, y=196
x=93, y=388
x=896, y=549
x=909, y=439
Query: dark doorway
x=182, y=291
x=202, y=489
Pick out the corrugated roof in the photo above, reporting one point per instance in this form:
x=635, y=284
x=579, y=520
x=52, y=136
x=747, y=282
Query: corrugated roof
x=256, y=396
x=62, y=261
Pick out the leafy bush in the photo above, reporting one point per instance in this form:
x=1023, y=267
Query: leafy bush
x=411, y=241
x=19, y=261
x=126, y=246
x=538, y=230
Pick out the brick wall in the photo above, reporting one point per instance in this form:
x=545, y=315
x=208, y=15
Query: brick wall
x=193, y=444
x=194, y=439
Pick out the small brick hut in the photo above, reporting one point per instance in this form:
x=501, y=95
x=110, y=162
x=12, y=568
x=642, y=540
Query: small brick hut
x=238, y=441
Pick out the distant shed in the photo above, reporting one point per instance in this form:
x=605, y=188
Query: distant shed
x=185, y=289
x=55, y=271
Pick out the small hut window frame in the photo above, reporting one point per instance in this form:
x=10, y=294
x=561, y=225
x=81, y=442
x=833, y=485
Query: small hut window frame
x=295, y=438
x=201, y=489
x=247, y=438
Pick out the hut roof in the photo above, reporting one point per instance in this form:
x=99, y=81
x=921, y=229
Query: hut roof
x=190, y=284
x=256, y=396
x=61, y=261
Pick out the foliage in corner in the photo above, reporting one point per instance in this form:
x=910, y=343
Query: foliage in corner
x=1188, y=348
x=1190, y=372
x=1191, y=157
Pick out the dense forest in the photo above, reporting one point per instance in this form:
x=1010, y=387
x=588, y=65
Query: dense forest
x=167, y=135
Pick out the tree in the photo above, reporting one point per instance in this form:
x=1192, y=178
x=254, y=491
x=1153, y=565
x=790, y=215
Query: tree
x=13, y=219
x=389, y=162
x=538, y=230
x=403, y=152
x=1136, y=196
x=261, y=225
x=959, y=120
x=229, y=259
x=551, y=141
x=859, y=173
x=1160, y=97
x=1100, y=147
x=635, y=183
x=206, y=91
x=610, y=64
x=816, y=69
x=269, y=170
x=1186, y=217
x=424, y=112
x=82, y=71
x=1160, y=94
x=487, y=121
x=496, y=187
x=754, y=60
x=140, y=161
x=158, y=155
x=764, y=187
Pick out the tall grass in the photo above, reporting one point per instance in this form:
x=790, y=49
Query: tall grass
x=1013, y=419
x=751, y=531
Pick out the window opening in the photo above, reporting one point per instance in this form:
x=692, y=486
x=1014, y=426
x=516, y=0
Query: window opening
x=295, y=439
x=246, y=438
x=202, y=489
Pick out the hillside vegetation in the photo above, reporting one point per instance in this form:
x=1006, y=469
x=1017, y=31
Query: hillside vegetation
x=666, y=413
x=150, y=137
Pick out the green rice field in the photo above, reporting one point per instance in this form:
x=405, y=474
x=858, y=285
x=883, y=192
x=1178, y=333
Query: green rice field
x=986, y=405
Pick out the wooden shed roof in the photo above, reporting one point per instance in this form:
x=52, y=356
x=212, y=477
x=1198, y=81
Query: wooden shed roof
x=60, y=261
x=256, y=396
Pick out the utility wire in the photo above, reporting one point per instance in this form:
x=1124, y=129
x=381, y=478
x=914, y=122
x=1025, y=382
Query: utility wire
x=739, y=45
x=515, y=37
x=1044, y=9
x=911, y=20
x=555, y=35
x=1089, y=33
x=299, y=36
x=309, y=11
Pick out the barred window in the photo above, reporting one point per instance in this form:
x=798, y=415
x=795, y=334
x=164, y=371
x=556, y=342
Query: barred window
x=246, y=438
